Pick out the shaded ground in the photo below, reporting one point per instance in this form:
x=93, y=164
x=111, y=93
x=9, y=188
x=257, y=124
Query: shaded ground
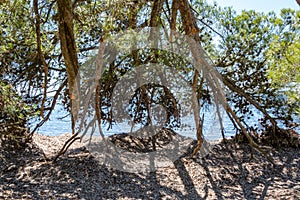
x=225, y=173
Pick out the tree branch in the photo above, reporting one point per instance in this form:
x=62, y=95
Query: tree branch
x=40, y=53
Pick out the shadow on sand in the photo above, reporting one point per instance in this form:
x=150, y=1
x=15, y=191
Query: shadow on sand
x=226, y=173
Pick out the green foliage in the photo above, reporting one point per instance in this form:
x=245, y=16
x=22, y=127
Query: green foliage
x=14, y=115
x=284, y=57
x=242, y=55
x=257, y=52
x=18, y=52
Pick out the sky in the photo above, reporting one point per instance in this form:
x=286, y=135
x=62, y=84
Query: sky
x=258, y=5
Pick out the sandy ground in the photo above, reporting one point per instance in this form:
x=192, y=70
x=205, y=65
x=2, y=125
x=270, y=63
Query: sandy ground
x=225, y=173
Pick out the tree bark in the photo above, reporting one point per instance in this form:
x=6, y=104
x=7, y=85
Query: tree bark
x=68, y=48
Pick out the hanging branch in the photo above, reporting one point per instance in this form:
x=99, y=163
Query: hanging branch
x=174, y=8
x=156, y=13
x=55, y=97
x=97, y=87
x=135, y=54
x=210, y=73
x=214, y=82
x=94, y=88
x=191, y=29
x=196, y=110
x=234, y=88
x=249, y=138
x=40, y=53
x=213, y=79
x=68, y=48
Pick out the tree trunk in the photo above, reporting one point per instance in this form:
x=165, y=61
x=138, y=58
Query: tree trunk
x=68, y=48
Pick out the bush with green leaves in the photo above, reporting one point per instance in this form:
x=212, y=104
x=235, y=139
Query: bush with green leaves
x=14, y=116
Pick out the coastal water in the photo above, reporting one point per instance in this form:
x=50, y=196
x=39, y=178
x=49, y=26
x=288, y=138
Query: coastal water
x=60, y=124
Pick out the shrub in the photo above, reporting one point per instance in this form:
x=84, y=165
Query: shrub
x=14, y=115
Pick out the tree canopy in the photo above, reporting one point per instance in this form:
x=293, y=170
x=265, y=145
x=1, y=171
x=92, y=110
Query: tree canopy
x=44, y=44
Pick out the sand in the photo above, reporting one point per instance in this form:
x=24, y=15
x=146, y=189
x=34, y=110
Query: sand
x=225, y=173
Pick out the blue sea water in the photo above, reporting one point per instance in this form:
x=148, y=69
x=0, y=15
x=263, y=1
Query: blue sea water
x=60, y=124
